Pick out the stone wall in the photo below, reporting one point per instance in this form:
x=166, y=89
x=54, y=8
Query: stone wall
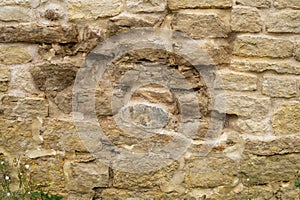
x=251, y=141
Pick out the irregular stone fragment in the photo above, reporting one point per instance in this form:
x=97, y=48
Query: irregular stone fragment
x=286, y=118
x=83, y=177
x=15, y=14
x=230, y=80
x=10, y=55
x=177, y=4
x=257, y=3
x=262, y=47
x=284, y=22
x=146, y=5
x=201, y=24
x=279, y=86
x=246, y=20
x=137, y=20
x=88, y=9
x=38, y=33
x=295, y=4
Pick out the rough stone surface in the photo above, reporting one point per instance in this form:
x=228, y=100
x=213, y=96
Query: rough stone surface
x=175, y=4
x=285, y=119
x=274, y=86
x=10, y=55
x=201, y=25
x=287, y=4
x=263, y=47
x=4, y=79
x=230, y=80
x=146, y=6
x=297, y=52
x=79, y=9
x=284, y=22
x=246, y=20
x=15, y=14
x=258, y=3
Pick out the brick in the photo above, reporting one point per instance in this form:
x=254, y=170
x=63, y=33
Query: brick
x=262, y=47
x=285, y=119
x=286, y=21
x=256, y=65
x=178, y=4
x=257, y=3
x=38, y=33
x=15, y=14
x=230, y=80
x=199, y=24
x=295, y=4
x=275, y=86
x=10, y=55
x=89, y=9
x=246, y=20
x=146, y=5
x=242, y=105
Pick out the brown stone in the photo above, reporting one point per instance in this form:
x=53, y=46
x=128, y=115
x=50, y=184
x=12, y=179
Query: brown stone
x=262, y=47
x=285, y=119
x=246, y=20
x=279, y=86
x=4, y=79
x=284, y=22
x=38, y=33
x=198, y=24
x=10, y=55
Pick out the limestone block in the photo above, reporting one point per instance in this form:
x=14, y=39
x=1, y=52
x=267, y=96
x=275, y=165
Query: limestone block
x=279, y=86
x=262, y=47
x=286, y=21
x=295, y=4
x=198, y=24
x=146, y=6
x=10, y=55
x=89, y=9
x=230, y=80
x=177, y=4
x=285, y=119
x=246, y=20
x=15, y=14
x=257, y=3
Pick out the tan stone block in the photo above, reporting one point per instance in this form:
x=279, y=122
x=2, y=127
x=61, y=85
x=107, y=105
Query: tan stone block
x=243, y=105
x=279, y=86
x=177, y=4
x=262, y=169
x=88, y=9
x=15, y=14
x=10, y=55
x=257, y=3
x=262, y=47
x=230, y=80
x=146, y=6
x=252, y=126
x=284, y=22
x=287, y=4
x=209, y=172
x=198, y=24
x=246, y=20
x=261, y=65
x=285, y=119
x=27, y=3
x=83, y=177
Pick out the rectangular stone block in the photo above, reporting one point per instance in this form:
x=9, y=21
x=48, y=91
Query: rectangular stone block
x=279, y=86
x=146, y=5
x=38, y=33
x=10, y=55
x=230, y=80
x=201, y=24
x=27, y=3
x=262, y=47
x=242, y=105
x=257, y=3
x=258, y=65
x=15, y=14
x=246, y=20
x=178, y=4
x=295, y=4
x=90, y=9
x=286, y=117
x=286, y=21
